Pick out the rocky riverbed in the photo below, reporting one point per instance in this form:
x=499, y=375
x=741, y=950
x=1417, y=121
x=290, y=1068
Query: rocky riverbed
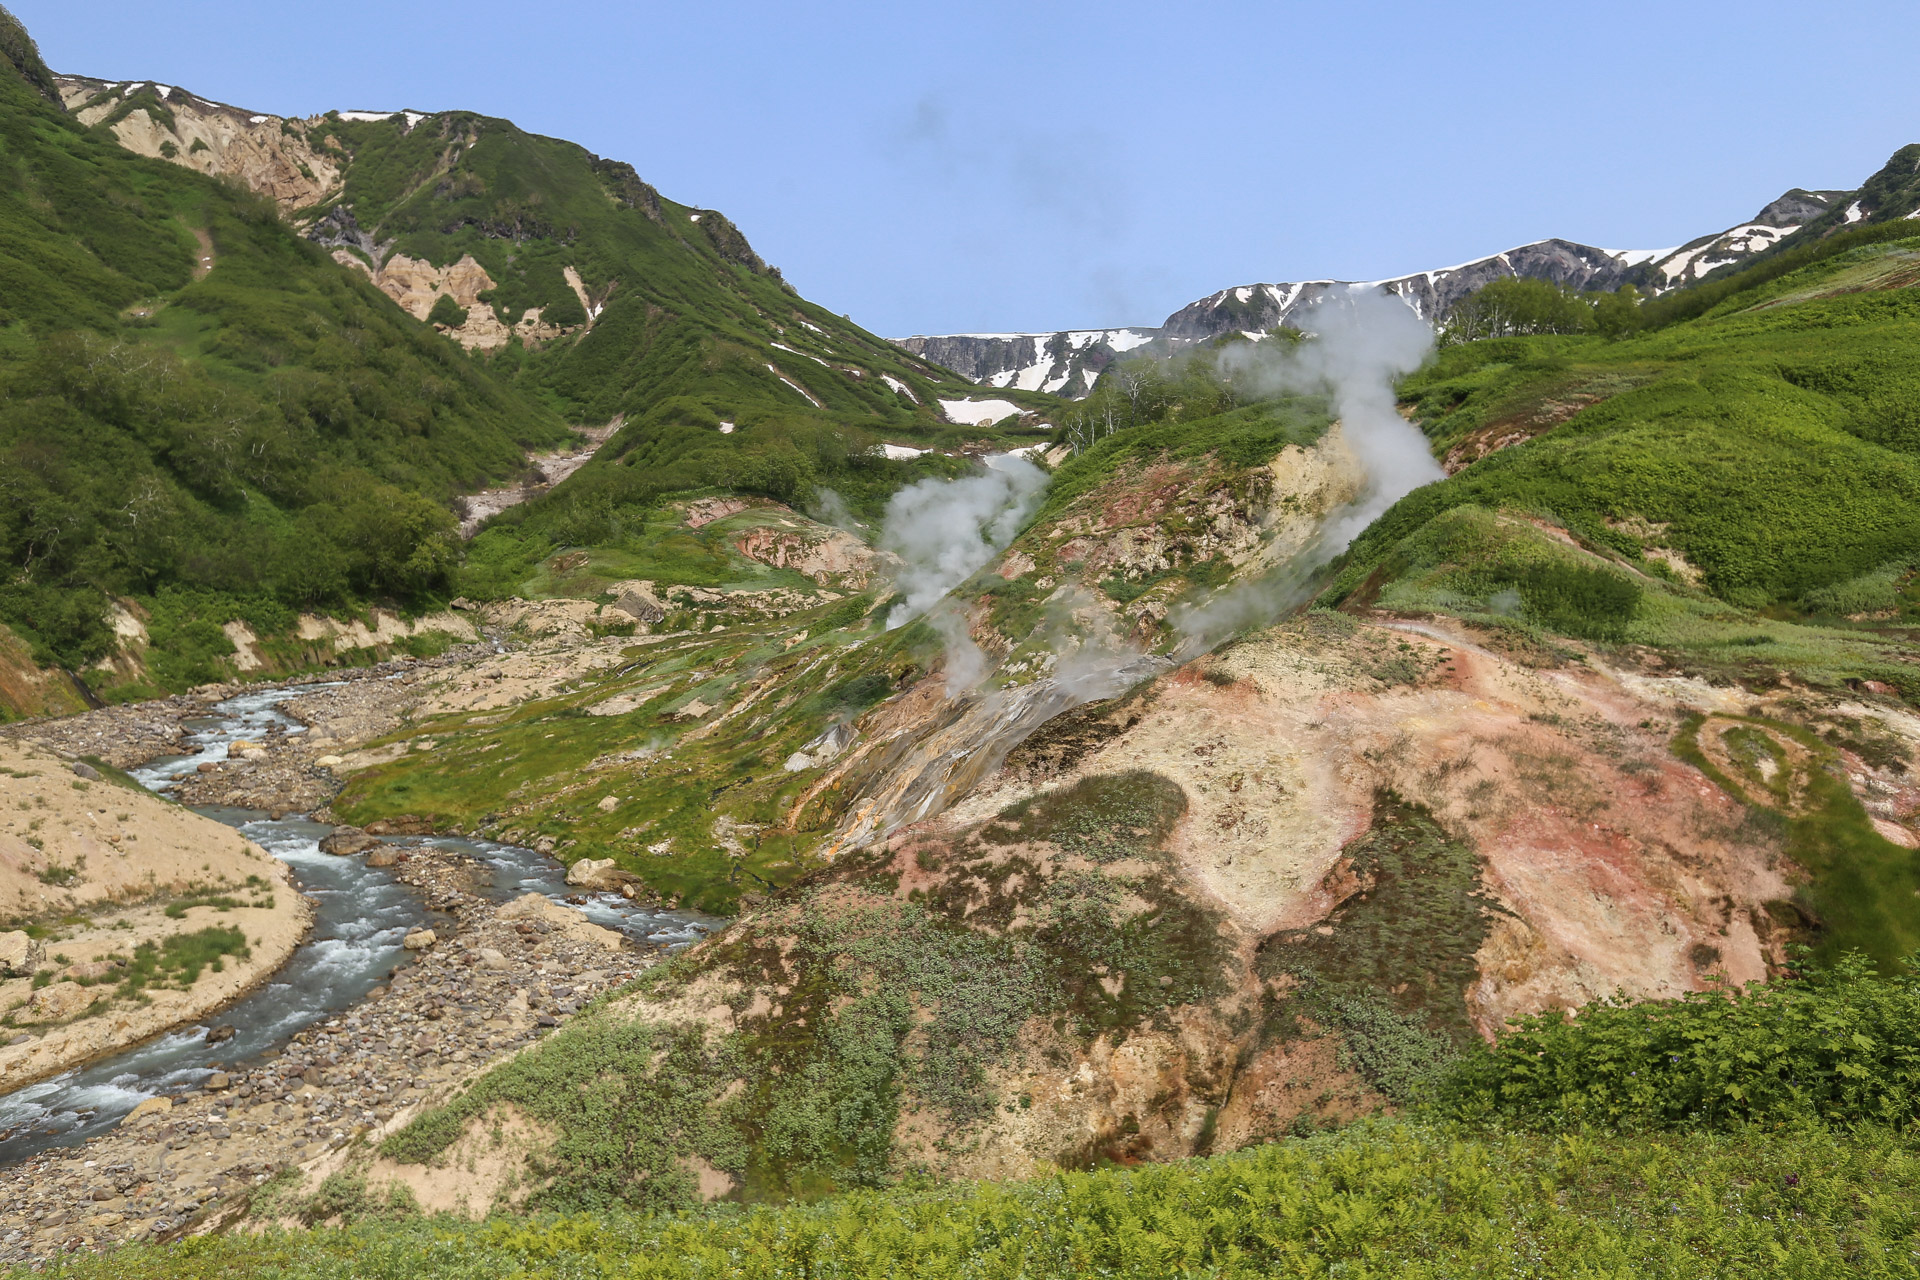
x=485, y=980
x=494, y=978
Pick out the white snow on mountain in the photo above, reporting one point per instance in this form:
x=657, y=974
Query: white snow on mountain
x=975, y=412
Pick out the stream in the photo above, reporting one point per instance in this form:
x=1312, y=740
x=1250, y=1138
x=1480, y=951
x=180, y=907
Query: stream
x=361, y=913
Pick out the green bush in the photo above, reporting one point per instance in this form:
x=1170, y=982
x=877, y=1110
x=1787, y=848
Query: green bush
x=1839, y=1046
x=447, y=312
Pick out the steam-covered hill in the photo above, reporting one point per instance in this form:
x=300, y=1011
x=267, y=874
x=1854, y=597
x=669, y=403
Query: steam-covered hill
x=1069, y=362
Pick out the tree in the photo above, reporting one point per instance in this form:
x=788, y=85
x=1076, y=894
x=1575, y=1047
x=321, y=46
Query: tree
x=1617, y=314
x=1513, y=306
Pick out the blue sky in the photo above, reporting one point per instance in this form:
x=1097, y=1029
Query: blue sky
x=997, y=166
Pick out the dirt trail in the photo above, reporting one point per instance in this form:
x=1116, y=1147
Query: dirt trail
x=203, y=265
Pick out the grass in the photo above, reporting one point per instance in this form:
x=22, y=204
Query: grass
x=1382, y=1199
x=179, y=960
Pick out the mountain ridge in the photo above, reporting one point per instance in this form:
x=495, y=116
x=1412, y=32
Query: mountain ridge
x=1068, y=362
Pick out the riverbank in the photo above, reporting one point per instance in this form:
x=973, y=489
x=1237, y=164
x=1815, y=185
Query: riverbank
x=503, y=966
x=129, y=915
x=496, y=977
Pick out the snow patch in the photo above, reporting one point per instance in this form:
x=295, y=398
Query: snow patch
x=901, y=452
x=693, y=217
x=1854, y=212
x=366, y=117
x=971, y=412
x=898, y=386
x=726, y=428
x=790, y=351
x=796, y=386
x=164, y=90
x=414, y=118
x=258, y=119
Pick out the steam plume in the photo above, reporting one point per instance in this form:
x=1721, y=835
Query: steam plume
x=1359, y=341
x=944, y=531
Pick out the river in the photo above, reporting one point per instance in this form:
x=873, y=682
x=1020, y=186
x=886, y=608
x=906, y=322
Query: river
x=361, y=914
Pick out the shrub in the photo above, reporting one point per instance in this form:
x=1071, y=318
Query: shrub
x=1838, y=1045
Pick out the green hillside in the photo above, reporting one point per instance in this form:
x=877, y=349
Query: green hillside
x=193, y=399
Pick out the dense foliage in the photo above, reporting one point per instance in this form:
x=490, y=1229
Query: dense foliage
x=1839, y=1046
x=1379, y=1201
x=272, y=427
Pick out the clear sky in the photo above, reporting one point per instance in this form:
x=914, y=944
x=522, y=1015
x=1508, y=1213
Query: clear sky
x=938, y=168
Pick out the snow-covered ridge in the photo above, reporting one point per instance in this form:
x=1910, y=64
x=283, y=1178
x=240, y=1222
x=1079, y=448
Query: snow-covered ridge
x=1068, y=362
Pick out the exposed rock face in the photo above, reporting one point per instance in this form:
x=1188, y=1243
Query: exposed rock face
x=417, y=284
x=267, y=153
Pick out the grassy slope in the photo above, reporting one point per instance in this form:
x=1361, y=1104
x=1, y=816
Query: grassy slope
x=275, y=429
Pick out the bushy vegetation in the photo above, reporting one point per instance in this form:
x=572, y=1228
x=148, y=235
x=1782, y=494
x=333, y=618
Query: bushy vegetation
x=1837, y=1045
x=276, y=428
x=1378, y=1201
x=1767, y=447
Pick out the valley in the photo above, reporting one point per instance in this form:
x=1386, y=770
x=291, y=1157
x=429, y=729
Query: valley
x=529, y=747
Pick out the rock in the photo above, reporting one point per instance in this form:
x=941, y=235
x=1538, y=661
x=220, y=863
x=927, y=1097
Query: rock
x=492, y=959
x=597, y=874
x=217, y=1081
x=19, y=953
x=331, y=762
x=239, y=745
x=83, y=770
x=151, y=1107
x=608, y=804
x=220, y=1034
x=58, y=1002
x=545, y=844
x=383, y=856
x=419, y=940
x=404, y=825
x=208, y=767
x=464, y=604
x=345, y=841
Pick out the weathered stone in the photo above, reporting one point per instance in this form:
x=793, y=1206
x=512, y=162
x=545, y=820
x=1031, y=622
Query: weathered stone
x=19, y=953
x=220, y=1034
x=217, y=1081
x=599, y=875
x=345, y=841
x=383, y=856
x=58, y=1002
x=81, y=769
x=492, y=959
x=150, y=1107
x=420, y=940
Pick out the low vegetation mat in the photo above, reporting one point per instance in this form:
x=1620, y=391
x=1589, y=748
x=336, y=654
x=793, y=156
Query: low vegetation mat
x=1377, y=1200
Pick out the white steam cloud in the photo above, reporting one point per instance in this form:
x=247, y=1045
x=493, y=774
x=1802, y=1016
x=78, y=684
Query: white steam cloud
x=1359, y=341
x=944, y=531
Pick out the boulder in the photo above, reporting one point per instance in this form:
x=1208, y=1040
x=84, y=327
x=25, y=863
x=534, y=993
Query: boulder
x=150, y=1107
x=383, y=856
x=345, y=841
x=220, y=1035
x=19, y=954
x=217, y=1081
x=492, y=959
x=87, y=771
x=404, y=825
x=58, y=1002
x=599, y=875
x=420, y=940
x=331, y=762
